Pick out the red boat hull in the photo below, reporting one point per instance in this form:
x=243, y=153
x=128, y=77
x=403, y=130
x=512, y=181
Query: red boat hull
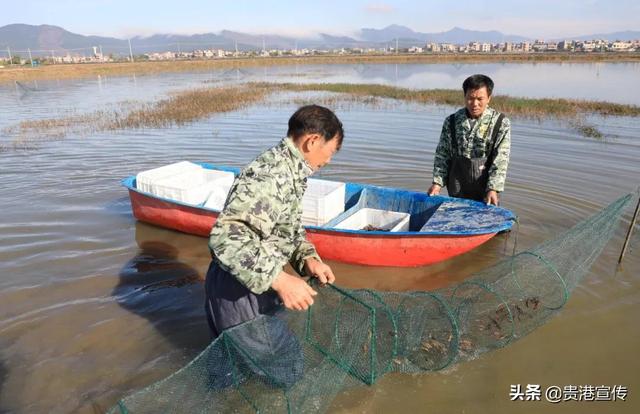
x=372, y=250
x=403, y=251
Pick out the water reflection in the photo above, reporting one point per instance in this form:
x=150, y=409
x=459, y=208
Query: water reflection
x=157, y=286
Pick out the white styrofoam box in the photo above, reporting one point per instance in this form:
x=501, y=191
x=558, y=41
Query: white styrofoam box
x=192, y=187
x=391, y=220
x=322, y=201
x=218, y=196
x=145, y=179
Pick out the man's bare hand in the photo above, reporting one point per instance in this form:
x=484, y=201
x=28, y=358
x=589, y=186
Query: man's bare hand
x=316, y=268
x=434, y=189
x=492, y=198
x=294, y=292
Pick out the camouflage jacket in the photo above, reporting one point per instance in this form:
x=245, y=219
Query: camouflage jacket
x=259, y=230
x=474, y=142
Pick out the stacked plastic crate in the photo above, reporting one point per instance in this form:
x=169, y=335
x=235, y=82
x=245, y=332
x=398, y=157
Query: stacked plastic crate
x=322, y=201
x=187, y=183
x=372, y=219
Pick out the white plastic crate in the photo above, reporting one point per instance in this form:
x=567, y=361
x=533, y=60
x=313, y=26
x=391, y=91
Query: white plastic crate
x=146, y=179
x=383, y=219
x=218, y=195
x=322, y=201
x=193, y=187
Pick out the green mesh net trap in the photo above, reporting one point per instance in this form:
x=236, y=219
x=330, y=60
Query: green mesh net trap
x=299, y=361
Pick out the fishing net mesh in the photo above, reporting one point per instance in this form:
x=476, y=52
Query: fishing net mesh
x=299, y=361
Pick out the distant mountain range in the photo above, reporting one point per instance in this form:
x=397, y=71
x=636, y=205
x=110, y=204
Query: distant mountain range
x=455, y=35
x=45, y=38
x=626, y=35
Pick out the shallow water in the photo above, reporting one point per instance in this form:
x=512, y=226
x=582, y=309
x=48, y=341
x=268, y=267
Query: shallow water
x=94, y=305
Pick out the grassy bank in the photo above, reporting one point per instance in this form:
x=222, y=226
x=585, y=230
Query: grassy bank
x=192, y=105
x=513, y=106
x=70, y=71
x=189, y=106
x=178, y=109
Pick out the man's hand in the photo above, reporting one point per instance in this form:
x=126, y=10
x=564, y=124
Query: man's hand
x=316, y=268
x=434, y=189
x=295, y=293
x=492, y=197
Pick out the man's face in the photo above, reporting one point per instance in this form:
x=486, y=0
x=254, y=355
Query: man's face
x=319, y=152
x=476, y=101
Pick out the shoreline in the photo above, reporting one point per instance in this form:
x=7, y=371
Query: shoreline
x=10, y=74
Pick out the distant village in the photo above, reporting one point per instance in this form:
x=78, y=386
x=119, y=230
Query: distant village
x=95, y=55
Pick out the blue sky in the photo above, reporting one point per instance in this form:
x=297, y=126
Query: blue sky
x=122, y=18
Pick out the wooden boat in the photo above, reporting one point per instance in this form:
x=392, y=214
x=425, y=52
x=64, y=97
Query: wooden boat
x=439, y=227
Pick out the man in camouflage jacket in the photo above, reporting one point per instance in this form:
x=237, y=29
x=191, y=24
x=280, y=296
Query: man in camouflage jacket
x=473, y=153
x=259, y=230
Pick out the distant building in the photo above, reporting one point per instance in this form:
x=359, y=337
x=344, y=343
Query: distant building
x=161, y=56
x=433, y=47
x=94, y=54
x=587, y=46
x=618, y=46
x=97, y=54
x=565, y=45
x=539, y=46
x=448, y=47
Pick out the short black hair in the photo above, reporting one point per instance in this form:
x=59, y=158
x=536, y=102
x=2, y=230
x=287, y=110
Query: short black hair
x=315, y=119
x=474, y=82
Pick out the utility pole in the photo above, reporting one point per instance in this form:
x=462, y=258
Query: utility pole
x=130, y=51
x=396, y=45
x=10, y=57
x=101, y=55
x=30, y=58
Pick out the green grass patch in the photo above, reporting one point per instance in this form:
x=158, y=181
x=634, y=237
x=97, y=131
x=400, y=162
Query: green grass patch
x=512, y=106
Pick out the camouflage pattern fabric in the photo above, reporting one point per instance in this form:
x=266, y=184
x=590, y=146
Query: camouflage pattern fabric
x=474, y=142
x=260, y=229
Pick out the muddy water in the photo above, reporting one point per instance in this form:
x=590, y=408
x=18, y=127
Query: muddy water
x=94, y=305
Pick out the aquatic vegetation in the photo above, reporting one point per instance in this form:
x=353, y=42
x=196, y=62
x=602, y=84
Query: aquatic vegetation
x=514, y=106
x=589, y=131
x=191, y=105
x=188, y=106
x=178, y=109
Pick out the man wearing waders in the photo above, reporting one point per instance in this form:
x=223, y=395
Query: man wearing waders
x=473, y=153
x=257, y=233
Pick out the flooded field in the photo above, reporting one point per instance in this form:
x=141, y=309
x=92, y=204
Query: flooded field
x=94, y=305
